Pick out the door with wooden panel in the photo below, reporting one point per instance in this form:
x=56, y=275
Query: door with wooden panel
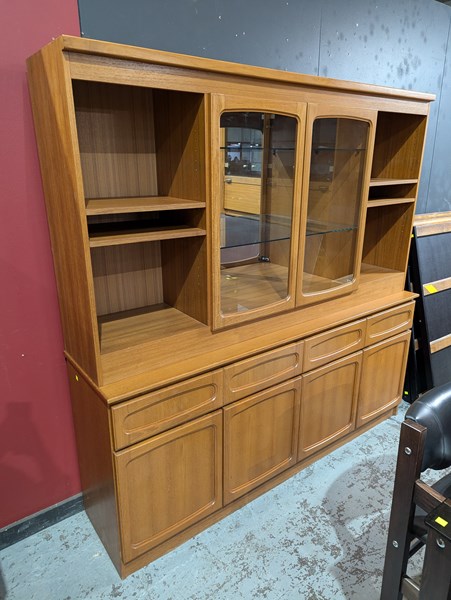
x=383, y=372
x=328, y=403
x=260, y=438
x=168, y=483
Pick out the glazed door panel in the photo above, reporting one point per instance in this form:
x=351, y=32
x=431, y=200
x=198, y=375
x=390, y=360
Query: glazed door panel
x=328, y=403
x=335, y=191
x=256, y=167
x=260, y=438
x=168, y=483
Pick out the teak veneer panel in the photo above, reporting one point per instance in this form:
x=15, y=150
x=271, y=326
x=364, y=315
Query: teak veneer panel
x=138, y=419
x=122, y=51
x=328, y=403
x=333, y=344
x=246, y=377
x=115, y=206
x=169, y=482
x=92, y=434
x=382, y=379
x=50, y=87
x=260, y=438
x=388, y=323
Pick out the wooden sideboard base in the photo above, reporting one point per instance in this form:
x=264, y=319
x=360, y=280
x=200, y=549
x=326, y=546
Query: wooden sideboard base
x=127, y=569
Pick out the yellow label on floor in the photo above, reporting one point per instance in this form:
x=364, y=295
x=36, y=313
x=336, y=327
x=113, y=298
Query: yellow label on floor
x=441, y=521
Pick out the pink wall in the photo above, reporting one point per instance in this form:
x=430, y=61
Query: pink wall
x=38, y=464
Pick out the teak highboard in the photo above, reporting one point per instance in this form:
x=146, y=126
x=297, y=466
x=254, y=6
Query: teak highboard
x=230, y=248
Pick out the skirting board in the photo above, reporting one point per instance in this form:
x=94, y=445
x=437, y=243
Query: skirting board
x=19, y=530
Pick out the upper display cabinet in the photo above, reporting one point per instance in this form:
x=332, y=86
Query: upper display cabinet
x=256, y=157
x=195, y=204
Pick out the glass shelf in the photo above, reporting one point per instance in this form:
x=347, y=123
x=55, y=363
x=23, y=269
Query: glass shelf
x=334, y=149
x=248, y=231
x=258, y=148
x=321, y=228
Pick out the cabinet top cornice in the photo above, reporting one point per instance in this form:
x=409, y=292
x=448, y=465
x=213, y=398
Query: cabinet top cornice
x=160, y=57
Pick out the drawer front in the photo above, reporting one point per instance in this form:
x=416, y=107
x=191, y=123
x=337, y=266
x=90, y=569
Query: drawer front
x=389, y=322
x=136, y=420
x=333, y=344
x=260, y=372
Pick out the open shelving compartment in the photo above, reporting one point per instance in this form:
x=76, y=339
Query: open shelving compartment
x=142, y=160
x=392, y=195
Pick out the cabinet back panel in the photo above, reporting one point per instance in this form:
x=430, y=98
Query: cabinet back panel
x=387, y=236
x=180, y=144
x=331, y=255
x=398, y=146
x=116, y=139
x=127, y=277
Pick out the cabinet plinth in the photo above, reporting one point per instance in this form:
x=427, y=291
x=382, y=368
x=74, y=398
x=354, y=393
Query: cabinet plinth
x=230, y=248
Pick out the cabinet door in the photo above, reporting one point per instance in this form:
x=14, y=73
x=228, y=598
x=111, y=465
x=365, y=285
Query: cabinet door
x=335, y=190
x=256, y=164
x=168, y=483
x=260, y=438
x=384, y=367
x=328, y=403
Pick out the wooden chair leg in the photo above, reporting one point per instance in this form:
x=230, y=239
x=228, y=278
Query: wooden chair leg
x=408, y=469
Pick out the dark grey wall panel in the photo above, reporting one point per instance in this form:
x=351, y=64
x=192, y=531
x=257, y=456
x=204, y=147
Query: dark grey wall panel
x=277, y=34
x=399, y=43
x=439, y=192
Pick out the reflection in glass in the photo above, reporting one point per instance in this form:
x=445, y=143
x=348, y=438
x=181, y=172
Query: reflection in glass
x=258, y=153
x=335, y=189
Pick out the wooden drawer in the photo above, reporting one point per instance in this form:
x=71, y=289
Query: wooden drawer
x=389, y=322
x=262, y=371
x=136, y=420
x=333, y=344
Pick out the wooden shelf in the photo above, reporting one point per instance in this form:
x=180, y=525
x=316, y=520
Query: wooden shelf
x=389, y=201
x=144, y=235
x=152, y=324
x=116, y=206
x=384, y=181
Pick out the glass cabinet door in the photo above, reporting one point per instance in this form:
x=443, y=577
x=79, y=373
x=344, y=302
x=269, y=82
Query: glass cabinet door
x=258, y=221
x=337, y=184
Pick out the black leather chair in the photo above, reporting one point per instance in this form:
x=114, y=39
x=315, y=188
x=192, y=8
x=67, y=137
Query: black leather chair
x=420, y=513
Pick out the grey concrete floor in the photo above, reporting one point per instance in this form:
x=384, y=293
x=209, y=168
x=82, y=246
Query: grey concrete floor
x=320, y=535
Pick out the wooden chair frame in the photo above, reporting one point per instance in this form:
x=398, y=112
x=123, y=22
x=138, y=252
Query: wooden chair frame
x=410, y=492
